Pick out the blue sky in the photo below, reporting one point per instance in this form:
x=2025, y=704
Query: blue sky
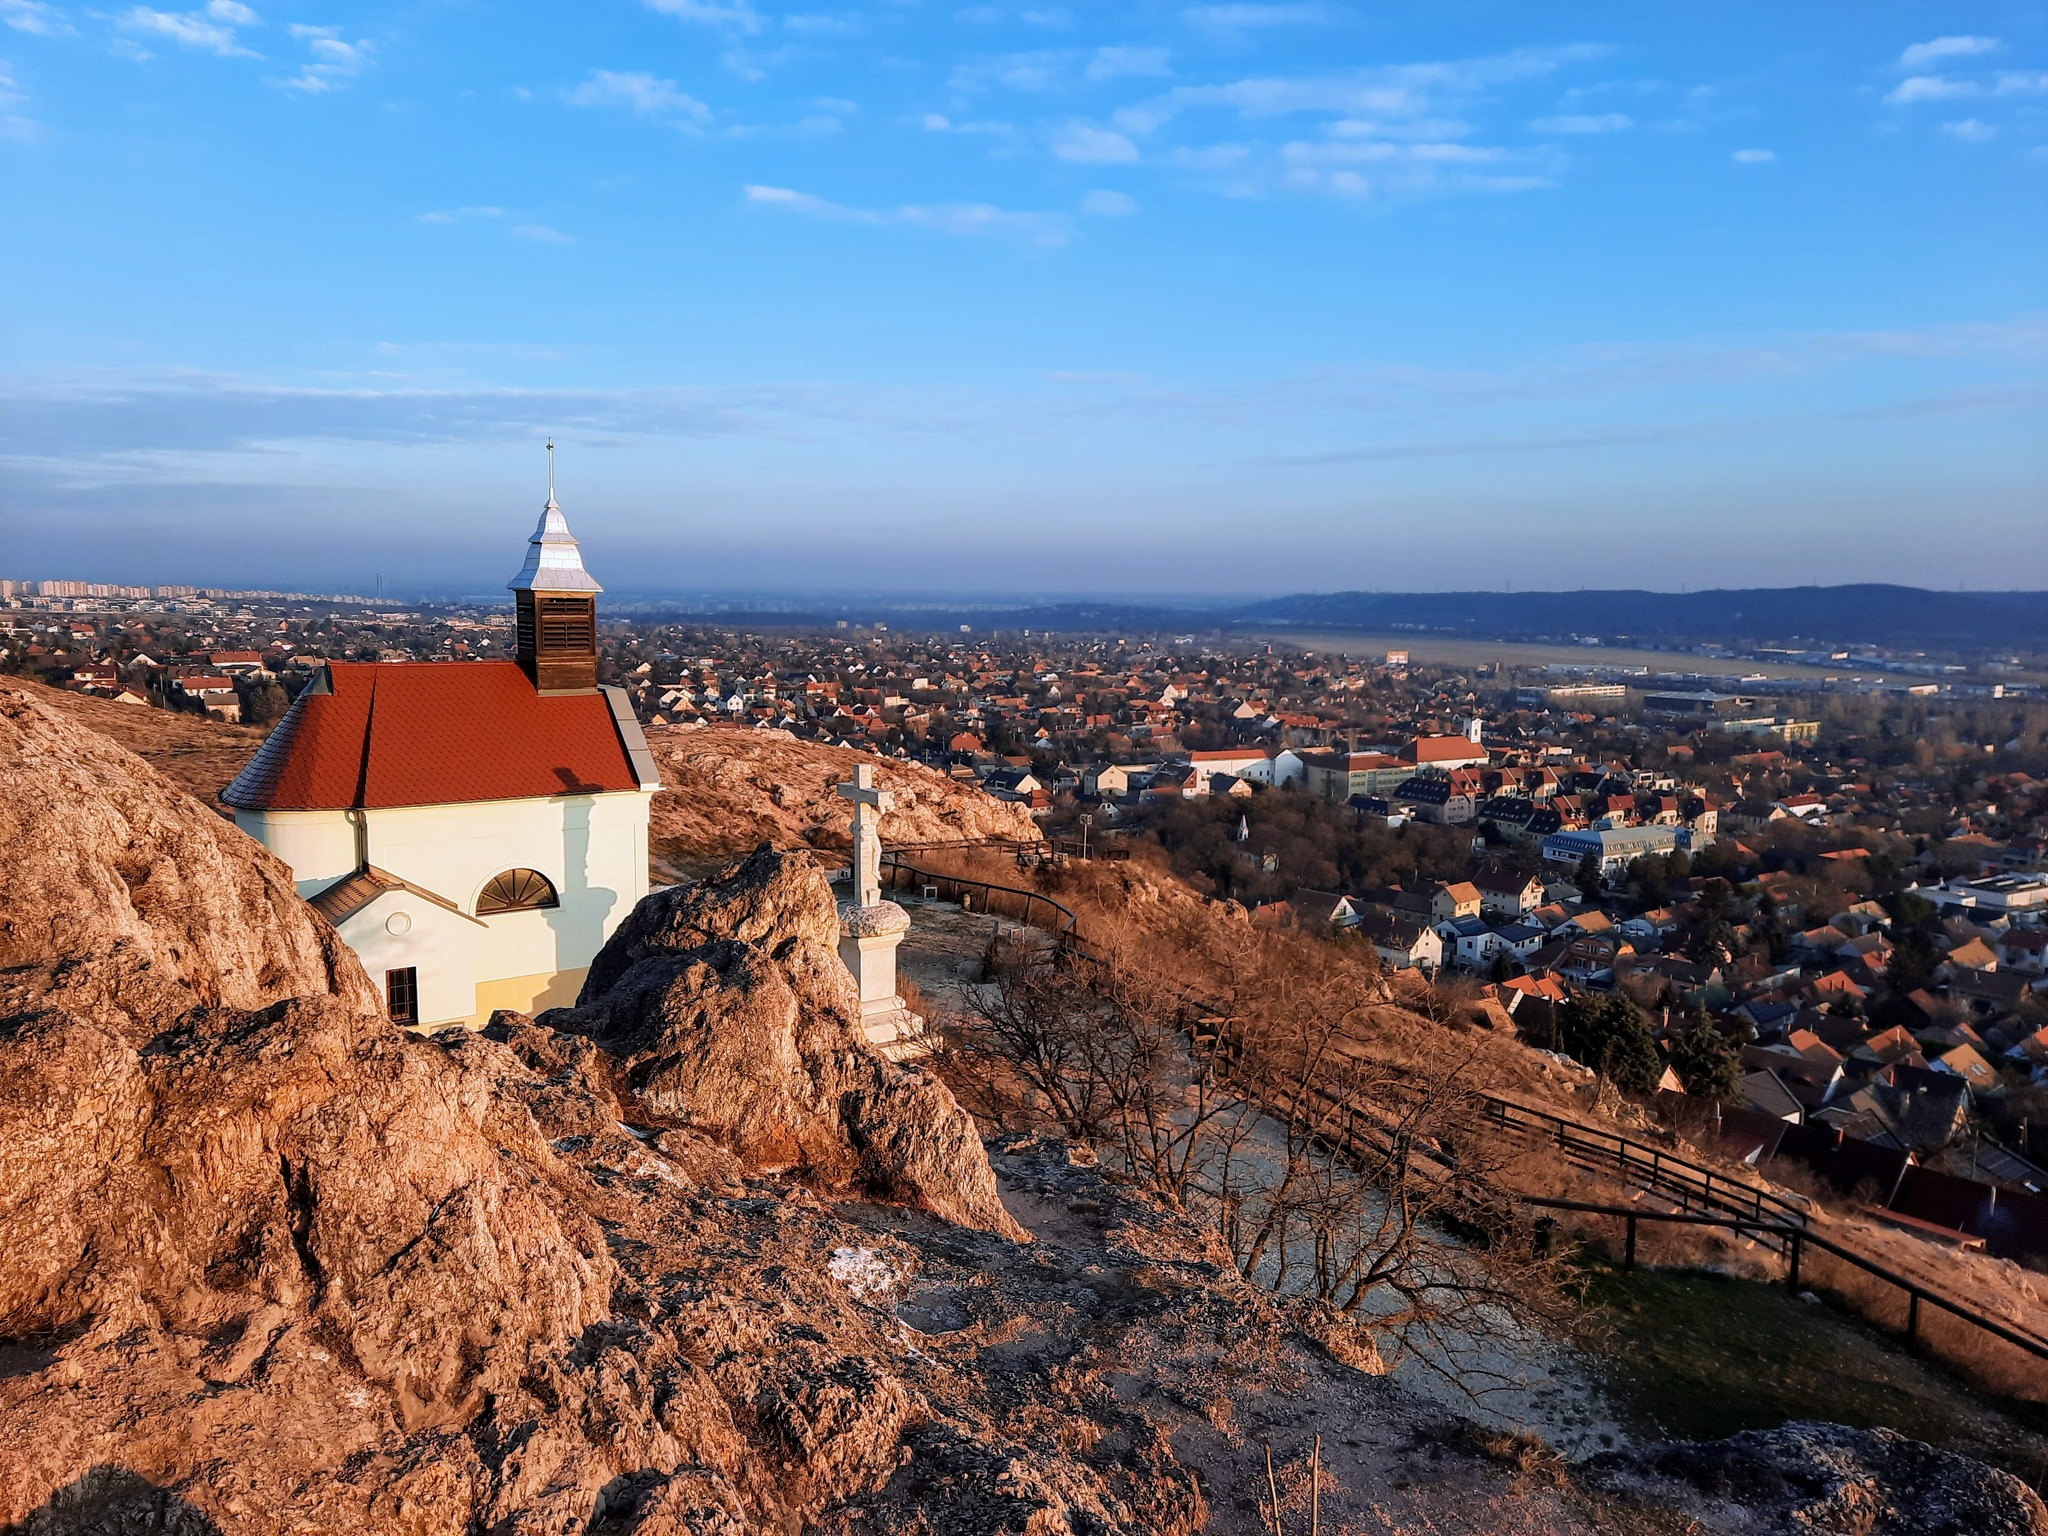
x=1028, y=297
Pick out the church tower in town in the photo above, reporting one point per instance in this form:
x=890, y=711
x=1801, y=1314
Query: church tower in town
x=555, y=602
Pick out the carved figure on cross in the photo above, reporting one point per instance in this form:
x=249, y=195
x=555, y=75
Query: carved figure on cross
x=868, y=805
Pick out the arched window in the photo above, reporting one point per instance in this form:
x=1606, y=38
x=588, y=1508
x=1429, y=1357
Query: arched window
x=517, y=890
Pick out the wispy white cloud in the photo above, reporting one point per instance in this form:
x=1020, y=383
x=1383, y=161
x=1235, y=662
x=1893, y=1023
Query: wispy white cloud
x=1754, y=156
x=209, y=31
x=1085, y=144
x=1584, y=122
x=34, y=17
x=1043, y=229
x=818, y=125
x=2008, y=82
x=1109, y=204
x=16, y=125
x=1057, y=69
x=459, y=215
x=939, y=122
x=1920, y=55
x=730, y=15
x=1931, y=88
x=1047, y=16
x=640, y=93
x=1971, y=131
x=1253, y=18
x=100, y=427
x=823, y=24
x=1110, y=63
x=332, y=61
x=1392, y=132
x=1397, y=91
x=1037, y=70
x=542, y=234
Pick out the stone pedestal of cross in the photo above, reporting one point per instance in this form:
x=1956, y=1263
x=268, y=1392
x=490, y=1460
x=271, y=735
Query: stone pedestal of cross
x=871, y=928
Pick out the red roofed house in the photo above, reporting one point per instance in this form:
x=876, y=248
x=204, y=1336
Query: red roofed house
x=473, y=830
x=1448, y=752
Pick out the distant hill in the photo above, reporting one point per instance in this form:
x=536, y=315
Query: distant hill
x=1851, y=615
x=1872, y=615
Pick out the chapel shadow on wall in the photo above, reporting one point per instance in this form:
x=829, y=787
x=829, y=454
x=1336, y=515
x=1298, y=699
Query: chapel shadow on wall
x=113, y=1501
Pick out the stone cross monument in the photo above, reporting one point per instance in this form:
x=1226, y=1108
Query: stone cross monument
x=871, y=928
x=868, y=805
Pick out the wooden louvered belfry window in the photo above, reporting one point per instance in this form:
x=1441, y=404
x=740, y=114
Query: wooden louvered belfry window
x=517, y=890
x=567, y=624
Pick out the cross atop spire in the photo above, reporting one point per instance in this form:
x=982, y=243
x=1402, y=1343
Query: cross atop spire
x=554, y=560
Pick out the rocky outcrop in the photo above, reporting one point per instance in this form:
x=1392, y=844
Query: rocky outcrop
x=1804, y=1479
x=125, y=900
x=725, y=790
x=298, y=1168
x=269, y=1264
x=198, y=753
x=730, y=1014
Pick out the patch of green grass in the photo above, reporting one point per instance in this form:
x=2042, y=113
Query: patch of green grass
x=1694, y=1355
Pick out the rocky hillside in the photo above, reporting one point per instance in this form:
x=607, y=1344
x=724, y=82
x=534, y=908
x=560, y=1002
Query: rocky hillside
x=684, y=1260
x=724, y=791
x=124, y=900
x=199, y=755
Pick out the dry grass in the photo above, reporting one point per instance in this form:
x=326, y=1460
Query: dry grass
x=1986, y=1359
x=200, y=755
x=1155, y=922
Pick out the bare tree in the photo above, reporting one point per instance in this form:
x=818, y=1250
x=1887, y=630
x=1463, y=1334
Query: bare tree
x=1331, y=1170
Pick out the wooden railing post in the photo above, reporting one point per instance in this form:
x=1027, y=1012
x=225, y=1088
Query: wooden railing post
x=1912, y=1317
x=1792, y=1268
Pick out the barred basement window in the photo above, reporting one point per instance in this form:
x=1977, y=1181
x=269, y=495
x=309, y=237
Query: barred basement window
x=517, y=890
x=402, y=995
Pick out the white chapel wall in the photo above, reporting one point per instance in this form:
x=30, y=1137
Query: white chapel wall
x=593, y=848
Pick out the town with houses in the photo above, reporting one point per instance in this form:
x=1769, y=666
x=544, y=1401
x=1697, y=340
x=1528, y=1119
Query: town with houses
x=1825, y=898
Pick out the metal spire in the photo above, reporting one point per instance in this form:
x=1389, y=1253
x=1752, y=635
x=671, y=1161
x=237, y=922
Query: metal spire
x=554, y=563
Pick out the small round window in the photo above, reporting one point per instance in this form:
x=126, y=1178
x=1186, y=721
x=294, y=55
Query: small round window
x=517, y=890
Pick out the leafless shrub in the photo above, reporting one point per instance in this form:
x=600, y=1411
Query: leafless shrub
x=1327, y=1171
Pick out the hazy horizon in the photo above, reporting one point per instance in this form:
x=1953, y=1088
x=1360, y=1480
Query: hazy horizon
x=1134, y=300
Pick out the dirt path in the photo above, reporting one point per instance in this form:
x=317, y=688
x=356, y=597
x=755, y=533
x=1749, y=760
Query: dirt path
x=945, y=949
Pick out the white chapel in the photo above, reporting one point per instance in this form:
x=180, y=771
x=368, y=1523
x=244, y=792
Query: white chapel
x=475, y=831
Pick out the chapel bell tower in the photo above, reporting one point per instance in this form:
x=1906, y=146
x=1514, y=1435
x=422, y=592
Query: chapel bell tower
x=556, y=603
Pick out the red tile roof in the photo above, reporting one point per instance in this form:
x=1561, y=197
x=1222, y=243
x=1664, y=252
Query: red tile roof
x=386, y=734
x=1445, y=749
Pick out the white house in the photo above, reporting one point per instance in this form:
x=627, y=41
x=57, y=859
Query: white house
x=1238, y=762
x=474, y=830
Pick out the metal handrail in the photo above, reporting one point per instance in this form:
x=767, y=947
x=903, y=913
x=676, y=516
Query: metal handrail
x=893, y=864
x=1657, y=1167
x=1653, y=1167
x=1795, y=1239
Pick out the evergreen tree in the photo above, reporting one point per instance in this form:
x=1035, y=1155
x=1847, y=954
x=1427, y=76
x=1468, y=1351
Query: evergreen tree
x=1912, y=963
x=1588, y=877
x=1706, y=1061
x=1608, y=1033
